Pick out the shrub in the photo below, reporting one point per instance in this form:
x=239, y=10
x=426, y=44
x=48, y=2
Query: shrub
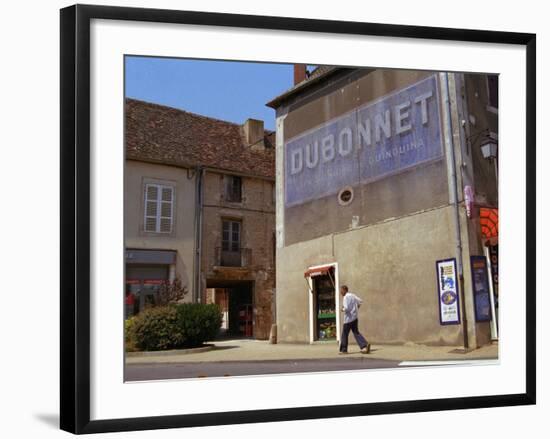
x=174, y=326
x=197, y=323
x=154, y=328
x=129, y=340
x=171, y=292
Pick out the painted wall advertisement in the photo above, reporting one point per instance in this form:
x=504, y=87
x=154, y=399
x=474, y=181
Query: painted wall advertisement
x=480, y=280
x=447, y=287
x=384, y=137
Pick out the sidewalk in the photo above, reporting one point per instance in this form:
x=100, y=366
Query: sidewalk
x=260, y=350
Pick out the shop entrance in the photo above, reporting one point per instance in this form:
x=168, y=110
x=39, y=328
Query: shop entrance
x=325, y=307
x=142, y=285
x=236, y=301
x=324, y=303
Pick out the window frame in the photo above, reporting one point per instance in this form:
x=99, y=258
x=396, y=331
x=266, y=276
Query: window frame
x=229, y=188
x=158, y=207
x=231, y=230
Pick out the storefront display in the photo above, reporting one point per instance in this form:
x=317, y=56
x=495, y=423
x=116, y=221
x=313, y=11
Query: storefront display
x=326, y=308
x=143, y=283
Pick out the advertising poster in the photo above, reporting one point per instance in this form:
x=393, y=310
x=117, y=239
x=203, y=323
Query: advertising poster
x=447, y=286
x=480, y=281
x=384, y=137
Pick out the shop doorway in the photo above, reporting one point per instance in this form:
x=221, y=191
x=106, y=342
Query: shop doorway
x=325, y=308
x=220, y=297
x=236, y=301
x=142, y=286
x=324, y=303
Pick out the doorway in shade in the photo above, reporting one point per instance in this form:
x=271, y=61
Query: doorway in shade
x=236, y=302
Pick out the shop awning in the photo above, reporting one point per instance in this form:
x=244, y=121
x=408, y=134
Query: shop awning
x=488, y=220
x=164, y=257
x=318, y=271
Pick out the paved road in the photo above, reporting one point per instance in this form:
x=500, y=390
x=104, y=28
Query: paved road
x=162, y=371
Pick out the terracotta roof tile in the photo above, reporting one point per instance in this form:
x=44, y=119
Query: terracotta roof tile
x=159, y=134
x=316, y=75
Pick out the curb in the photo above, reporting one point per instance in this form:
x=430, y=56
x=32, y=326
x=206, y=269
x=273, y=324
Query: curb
x=172, y=352
x=251, y=362
x=350, y=357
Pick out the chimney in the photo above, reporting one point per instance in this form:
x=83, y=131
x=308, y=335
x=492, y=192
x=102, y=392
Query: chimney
x=254, y=134
x=299, y=73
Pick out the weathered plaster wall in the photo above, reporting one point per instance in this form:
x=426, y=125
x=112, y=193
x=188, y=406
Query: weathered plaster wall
x=415, y=189
x=182, y=238
x=391, y=265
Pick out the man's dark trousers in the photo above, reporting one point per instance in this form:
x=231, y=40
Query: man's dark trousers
x=351, y=326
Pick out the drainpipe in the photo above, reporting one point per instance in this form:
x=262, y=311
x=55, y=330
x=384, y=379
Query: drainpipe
x=454, y=200
x=198, y=235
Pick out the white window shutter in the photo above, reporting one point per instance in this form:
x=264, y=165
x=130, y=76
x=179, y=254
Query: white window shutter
x=151, y=207
x=166, y=210
x=158, y=208
x=166, y=193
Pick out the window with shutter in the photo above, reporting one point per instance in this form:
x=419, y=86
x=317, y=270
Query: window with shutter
x=159, y=206
x=231, y=252
x=233, y=188
x=231, y=236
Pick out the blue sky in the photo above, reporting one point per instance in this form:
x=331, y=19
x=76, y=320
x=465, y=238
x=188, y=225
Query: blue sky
x=228, y=90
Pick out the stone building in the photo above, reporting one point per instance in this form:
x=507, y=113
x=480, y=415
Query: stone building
x=382, y=185
x=199, y=205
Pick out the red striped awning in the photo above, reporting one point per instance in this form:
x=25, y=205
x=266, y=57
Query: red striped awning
x=488, y=220
x=318, y=271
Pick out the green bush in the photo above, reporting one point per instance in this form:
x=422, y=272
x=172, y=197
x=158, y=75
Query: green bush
x=129, y=341
x=174, y=326
x=128, y=324
x=197, y=323
x=154, y=329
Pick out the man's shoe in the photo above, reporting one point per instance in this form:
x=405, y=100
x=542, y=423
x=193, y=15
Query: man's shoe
x=366, y=349
x=342, y=352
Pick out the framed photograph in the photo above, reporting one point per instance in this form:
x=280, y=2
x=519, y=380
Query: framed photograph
x=252, y=209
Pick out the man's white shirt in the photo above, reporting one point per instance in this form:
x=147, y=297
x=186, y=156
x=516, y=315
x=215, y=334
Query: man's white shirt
x=350, y=306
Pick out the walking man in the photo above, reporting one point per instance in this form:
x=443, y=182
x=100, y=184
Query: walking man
x=351, y=304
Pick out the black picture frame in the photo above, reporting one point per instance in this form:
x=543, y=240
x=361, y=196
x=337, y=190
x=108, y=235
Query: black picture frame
x=75, y=217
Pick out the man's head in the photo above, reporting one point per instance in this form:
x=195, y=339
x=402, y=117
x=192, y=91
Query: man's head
x=343, y=290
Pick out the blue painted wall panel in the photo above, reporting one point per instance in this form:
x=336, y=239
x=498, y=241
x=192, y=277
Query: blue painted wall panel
x=384, y=137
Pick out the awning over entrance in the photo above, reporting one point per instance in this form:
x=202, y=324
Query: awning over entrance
x=488, y=220
x=165, y=257
x=318, y=271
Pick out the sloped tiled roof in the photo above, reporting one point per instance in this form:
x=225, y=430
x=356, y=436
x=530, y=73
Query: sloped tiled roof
x=315, y=76
x=158, y=134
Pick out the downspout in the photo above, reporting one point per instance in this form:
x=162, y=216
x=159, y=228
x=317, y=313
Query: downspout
x=454, y=201
x=198, y=235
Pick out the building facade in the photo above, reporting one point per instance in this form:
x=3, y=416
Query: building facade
x=159, y=229
x=381, y=185
x=199, y=207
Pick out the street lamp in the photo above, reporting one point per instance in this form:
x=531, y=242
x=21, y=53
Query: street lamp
x=489, y=149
